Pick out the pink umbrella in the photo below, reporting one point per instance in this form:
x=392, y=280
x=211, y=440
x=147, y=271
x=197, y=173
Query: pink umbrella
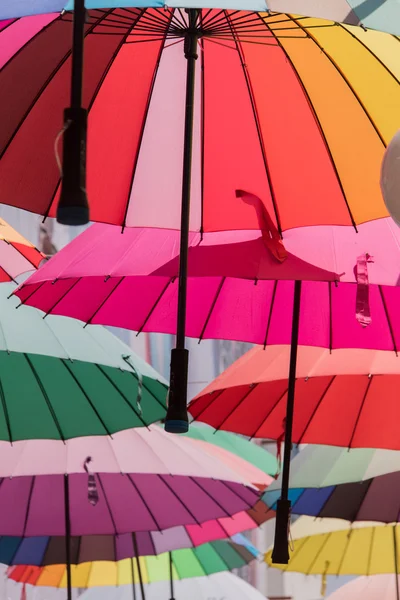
x=131, y=281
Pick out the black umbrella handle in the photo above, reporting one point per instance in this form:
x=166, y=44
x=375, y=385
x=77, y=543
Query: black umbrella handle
x=280, y=553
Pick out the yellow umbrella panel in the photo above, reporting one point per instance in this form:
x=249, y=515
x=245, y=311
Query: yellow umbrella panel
x=358, y=549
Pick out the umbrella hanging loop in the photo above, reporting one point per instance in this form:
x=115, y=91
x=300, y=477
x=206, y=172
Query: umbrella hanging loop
x=93, y=494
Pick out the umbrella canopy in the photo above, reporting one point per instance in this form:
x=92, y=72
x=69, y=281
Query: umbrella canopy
x=344, y=397
x=384, y=16
x=166, y=481
x=130, y=281
x=322, y=466
x=60, y=380
x=221, y=585
x=374, y=499
x=333, y=91
x=17, y=254
x=187, y=563
x=329, y=547
x=50, y=550
x=254, y=454
x=368, y=588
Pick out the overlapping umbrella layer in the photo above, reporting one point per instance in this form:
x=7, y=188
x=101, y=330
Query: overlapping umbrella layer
x=60, y=380
x=333, y=90
x=204, y=560
x=382, y=16
x=344, y=398
x=17, y=254
x=340, y=550
x=222, y=585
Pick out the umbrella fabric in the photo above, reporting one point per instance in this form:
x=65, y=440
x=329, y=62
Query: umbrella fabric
x=344, y=398
x=143, y=450
x=108, y=278
x=239, y=446
x=220, y=586
x=367, y=588
x=374, y=499
x=323, y=466
x=17, y=254
x=333, y=91
x=44, y=551
x=34, y=506
x=384, y=16
x=60, y=380
x=341, y=550
x=197, y=562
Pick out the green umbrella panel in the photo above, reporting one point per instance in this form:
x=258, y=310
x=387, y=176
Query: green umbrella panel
x=60, y=380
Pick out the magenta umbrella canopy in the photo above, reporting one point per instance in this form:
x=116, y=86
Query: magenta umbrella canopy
x=130, y=281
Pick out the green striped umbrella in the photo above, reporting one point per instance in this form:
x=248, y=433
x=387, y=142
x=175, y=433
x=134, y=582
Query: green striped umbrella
x=236, y=444
x=60, y=380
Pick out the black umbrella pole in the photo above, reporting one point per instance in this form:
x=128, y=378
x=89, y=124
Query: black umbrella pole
x=177, y=418
x=73, y=208
x=280, y=553
x=396, y=563
x=135, y=547
x=171, y=578
x=133, y=580
x=67, y=537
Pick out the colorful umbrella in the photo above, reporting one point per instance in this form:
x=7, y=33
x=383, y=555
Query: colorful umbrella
x=239, y=446
x=344, y=397
x=218, y=586
x=187, y=563
x=367, y=588
x=323, y=466
x=342, y=118
x=374, y=499
x=60, y=380
x=383, y=16
x=340, y=143
x=17, y=255
x=329, y=547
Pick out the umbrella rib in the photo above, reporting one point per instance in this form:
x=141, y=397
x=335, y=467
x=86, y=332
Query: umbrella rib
x=106, y=501
x=351, y=88
x=179, y=499
x=102, y=303
x=50, y=310
x=22, y=302
x=139, y=493
x=370, y=552
x=330, y=317
x=318, y=554
x=269, y=413
x=321, y=399
x=229, y=485
x=388, y=319
x=376, y=57
x=45, y=396
x=79, y=385
x=345, y=550
x=196, y=401
x=271, y=309
x=141, y=135
x=28, y=506
x=360, y=410
x=5, y=411
x=172, y=280
x=226, y=513
x=241, y=400
x=257, y=124
x=137, y=412
x=316, y=118
x=211, y=308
